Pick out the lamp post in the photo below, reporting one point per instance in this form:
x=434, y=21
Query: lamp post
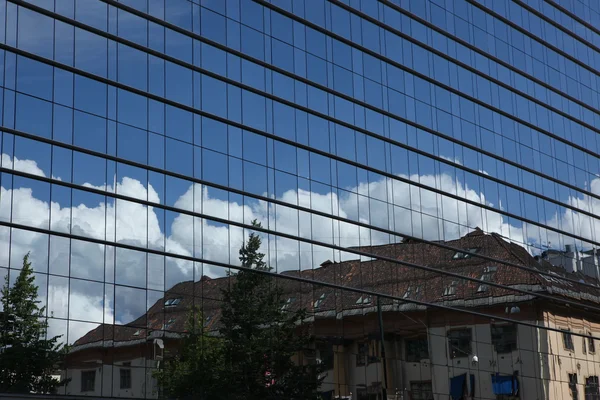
x=474, y=360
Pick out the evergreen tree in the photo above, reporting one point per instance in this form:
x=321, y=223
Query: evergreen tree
x=260, y=338
x=195, y=371
x=27, y=358
x=253, y=355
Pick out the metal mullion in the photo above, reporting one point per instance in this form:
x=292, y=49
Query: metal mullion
x=257, y=197
x=424, y=77
x=333, y=156
x=287, y=236
x=367, y=105
x=533, y=37
x=302, y=108
x=371, y=293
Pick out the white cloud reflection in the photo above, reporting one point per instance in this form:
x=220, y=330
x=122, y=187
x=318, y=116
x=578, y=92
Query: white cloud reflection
x=139, y=225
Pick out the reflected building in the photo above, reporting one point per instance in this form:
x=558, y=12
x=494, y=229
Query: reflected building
x=427, y=351
x=374, y=140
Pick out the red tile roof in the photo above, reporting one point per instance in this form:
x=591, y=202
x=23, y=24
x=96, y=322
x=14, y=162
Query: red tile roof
x=379, y=276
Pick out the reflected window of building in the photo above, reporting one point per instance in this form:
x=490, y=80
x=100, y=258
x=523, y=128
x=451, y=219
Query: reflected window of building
x=450, y=290
x=372, y=392
x=413, y=292
x=459, y=255
x=482, y=288
x=167, y=325
x=487, y=276
x=320, y=300
x=288, y=303
x=172, y=302
x=421, y=390
x=88, y=380
x=368, y=353
x=416, y=349
x=568, y=339
x=459, y=342
x=504, y=337
x=158, y=349
x=326, y=355
x=591, y=344
x=364, y=300
x=361, y=356
x=573, y=386
x=592, y=391
x=125, y=376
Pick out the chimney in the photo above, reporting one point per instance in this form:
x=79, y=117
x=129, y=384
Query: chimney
x=568, y=248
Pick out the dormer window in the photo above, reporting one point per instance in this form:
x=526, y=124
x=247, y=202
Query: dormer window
x=288, y=303
x=450, y=290
x=169, y=323
x=319, y=301
x=487, y=276
x=412, y=292
x=459, y=255
x=172, y=302
x=363, y=300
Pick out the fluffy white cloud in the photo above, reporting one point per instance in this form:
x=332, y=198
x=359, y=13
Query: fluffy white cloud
x=572, y=221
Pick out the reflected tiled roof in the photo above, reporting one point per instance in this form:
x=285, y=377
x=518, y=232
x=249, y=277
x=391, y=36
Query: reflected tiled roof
x=378, y=276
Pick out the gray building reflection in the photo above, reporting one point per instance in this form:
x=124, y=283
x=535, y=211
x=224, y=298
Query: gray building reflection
x=428, y=351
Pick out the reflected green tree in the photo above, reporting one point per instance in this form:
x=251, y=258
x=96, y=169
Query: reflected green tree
x=253, y=356
x=195, y=370
x=28, y=359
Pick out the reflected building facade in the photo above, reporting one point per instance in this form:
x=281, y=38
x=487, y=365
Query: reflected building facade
x=438, y=158
x=428, y=351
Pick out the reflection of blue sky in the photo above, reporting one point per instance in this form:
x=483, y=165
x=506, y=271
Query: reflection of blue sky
x=294, y=175
x=179, y=157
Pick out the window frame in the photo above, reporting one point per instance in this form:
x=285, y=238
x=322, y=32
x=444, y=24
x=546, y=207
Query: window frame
x=362, y=354
x=326, y=354
x=450, y=289
x=412, y=292
x=417, y=355
x=317, y=303
x=498, y=338
x=172, y=302
x=592, y=388
x=487, y=276
x=367, y=353
x=125, y=377
x=417, y=387
x=572, y=380
x=452, y=348
x=567, y=339
x=460, y=255
x=85, y=380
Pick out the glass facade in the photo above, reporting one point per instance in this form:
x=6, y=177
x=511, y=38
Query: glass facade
x=439, y=159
